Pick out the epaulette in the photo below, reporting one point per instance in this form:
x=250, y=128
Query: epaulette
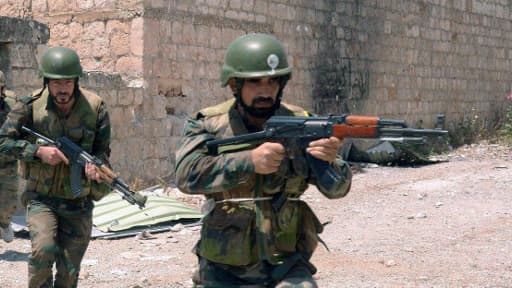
x=219, y=109
x=31, y=98
x=10, y=98
x=294, y=110
x=9, y=94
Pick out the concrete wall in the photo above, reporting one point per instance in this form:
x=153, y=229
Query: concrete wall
x=160, y=60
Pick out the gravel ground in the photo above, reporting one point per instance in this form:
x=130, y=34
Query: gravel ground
x=441, y=225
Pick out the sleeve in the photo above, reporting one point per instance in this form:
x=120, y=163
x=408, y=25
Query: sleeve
x=101, y=145
x=11, y=141
x=101, y=149
x=200, y=173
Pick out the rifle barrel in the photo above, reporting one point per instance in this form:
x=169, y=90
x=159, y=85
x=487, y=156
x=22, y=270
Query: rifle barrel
x=393, y=122
x=412, y=132
x=36, y=134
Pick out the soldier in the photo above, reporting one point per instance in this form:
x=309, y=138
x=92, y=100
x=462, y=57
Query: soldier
x=256, y=231
x=59, y=223
x=8, y=170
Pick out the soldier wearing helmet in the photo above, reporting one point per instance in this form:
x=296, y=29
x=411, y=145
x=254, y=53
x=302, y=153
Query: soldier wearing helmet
x=60, y=223
x=247, y=239
x=8, y=169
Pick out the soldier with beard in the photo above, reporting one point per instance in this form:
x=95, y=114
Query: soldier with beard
x=60, y=222
x=257, y=232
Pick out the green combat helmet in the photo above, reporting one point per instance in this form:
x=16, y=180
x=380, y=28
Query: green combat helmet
x=3, y=82
x=253, y=56
x=60, y=63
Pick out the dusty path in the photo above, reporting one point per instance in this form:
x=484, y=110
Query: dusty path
x=442, y=225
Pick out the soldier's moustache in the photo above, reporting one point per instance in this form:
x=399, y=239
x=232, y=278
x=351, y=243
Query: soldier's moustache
x=261, y=112
x=262, y=100
x=60, y=100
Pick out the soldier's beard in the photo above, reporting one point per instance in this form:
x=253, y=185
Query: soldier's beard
x=261, y=112
x=62, y=98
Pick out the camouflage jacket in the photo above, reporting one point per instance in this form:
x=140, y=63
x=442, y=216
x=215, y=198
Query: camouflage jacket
x=243, y=225
x=88, y=125
x=7, y=102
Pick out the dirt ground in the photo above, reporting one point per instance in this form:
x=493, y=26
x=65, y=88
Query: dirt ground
x=442, y=225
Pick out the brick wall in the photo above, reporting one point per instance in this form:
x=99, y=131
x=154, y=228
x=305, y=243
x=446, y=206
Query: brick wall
x=160, y=60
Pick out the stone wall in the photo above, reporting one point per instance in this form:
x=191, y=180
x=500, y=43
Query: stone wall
x=125, y=105
x=160, y=60
x=19, y=42
x=108, y=36
x=405, y=59
x=431, y=57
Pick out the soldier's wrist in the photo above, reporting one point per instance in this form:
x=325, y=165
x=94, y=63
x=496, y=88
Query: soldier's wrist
x=37, y=151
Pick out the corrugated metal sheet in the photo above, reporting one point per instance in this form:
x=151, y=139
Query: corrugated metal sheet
x=112, y=213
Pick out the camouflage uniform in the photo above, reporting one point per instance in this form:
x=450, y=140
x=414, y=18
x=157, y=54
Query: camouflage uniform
x=8, y=165
x=246, y=241
x=60, y=225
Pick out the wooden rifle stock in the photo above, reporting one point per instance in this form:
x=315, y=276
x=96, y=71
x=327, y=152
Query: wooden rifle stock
x=356, y=126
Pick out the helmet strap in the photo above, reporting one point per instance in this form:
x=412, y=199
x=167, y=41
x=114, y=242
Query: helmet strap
x=45, y=84
x=76, y=91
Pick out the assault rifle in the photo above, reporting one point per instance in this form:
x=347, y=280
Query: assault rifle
x=295, y=133
x=78, y=158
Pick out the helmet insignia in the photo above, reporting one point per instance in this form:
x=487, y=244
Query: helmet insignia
x=272, y=62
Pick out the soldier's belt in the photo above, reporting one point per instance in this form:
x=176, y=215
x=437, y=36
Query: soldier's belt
x=254, y=199
x=67, y=204
x=210, y=204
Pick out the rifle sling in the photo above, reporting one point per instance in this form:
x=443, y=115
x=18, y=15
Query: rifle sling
x=235, y=147
x=278, y=201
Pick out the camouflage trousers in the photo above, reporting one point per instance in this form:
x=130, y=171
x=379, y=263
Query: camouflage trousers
x=59, y=233
x=211, y=274
x=8, y=194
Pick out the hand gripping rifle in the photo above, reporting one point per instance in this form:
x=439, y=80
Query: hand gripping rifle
x=78, y=158
x=295, y=133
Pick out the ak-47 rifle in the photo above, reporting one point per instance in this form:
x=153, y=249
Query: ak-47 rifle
x=295, y=133
x=78, y=158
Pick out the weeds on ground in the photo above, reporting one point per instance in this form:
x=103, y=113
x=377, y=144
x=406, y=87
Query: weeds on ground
x=505, y=132
x=468, y=130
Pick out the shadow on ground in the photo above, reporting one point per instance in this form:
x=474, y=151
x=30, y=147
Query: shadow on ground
x=14, y=256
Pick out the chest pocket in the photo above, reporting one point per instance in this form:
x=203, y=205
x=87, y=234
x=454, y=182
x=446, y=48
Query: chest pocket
x=76, y=134
x=82, y=137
